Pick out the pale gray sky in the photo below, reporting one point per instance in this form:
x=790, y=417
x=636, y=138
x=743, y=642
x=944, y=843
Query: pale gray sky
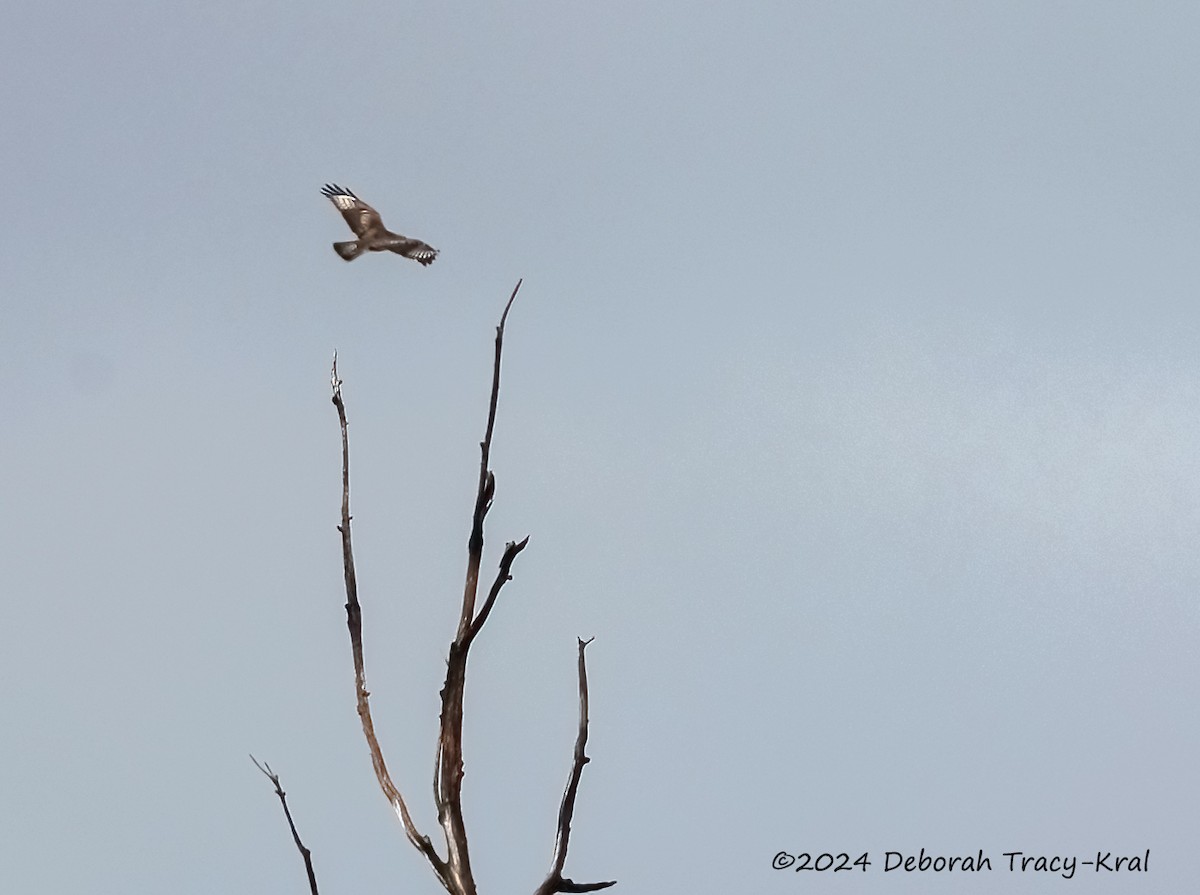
x=851, y=403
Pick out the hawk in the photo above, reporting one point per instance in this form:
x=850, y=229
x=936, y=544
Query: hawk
x=368, y=227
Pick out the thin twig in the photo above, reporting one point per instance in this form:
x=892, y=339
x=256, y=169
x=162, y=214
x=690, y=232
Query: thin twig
x=503, y=576
x=362, y=696
x=555, y=881
x=304, y=852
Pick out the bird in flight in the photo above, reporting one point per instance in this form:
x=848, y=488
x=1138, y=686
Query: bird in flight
x=368, y=227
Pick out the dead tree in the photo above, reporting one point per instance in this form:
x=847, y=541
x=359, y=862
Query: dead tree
x=453, y=869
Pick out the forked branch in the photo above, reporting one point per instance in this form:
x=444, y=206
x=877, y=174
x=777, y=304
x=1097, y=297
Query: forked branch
x=487, y=484
x=449, y=771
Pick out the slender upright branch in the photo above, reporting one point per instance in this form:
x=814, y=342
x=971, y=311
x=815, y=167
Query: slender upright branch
x=449, y=771
x=362, y=696
x=487, y=485
x=555, y=881
x=304, y=852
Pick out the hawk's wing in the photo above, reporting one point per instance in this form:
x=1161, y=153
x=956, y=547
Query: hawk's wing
x=362, y=218
x=421, y=252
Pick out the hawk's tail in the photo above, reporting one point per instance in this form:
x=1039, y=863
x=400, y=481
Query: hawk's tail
x=348, y=250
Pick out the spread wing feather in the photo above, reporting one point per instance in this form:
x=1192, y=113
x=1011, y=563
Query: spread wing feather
x=419, y=251
x=364, y=221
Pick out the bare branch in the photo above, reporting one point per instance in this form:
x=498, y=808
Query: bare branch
x=362, y=696
x=555, y=881
x=569, y=885
x=304, y=852
x=487, y=485
x=449, y=772
x=503, y=576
